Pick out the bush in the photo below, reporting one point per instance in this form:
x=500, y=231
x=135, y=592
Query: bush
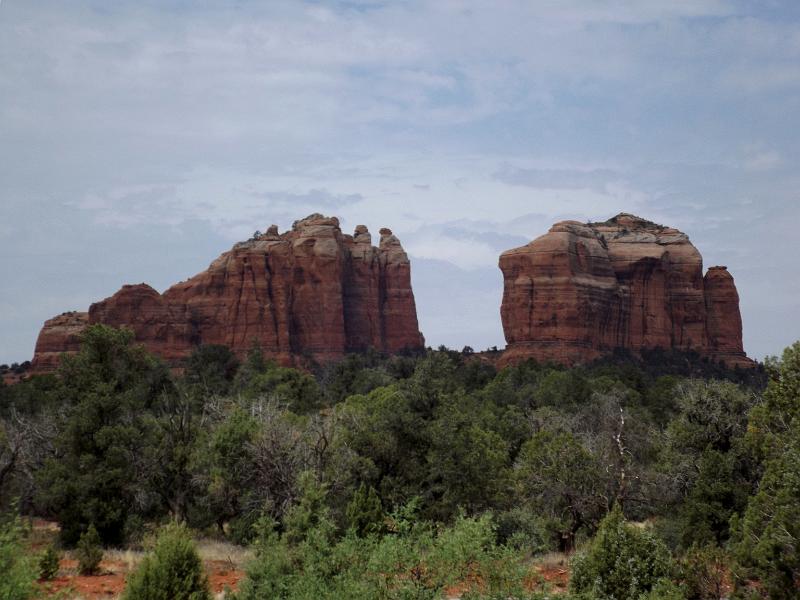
x=173, y=570
x=17, y=571
x=621, y=563
x=49, y=563
x=664, y=589
x=703, y=572
x=89, y=552
x=365, y=512
x=416, y=561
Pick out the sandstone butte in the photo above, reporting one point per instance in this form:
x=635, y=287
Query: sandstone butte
x=312, y=292
x=583, y=290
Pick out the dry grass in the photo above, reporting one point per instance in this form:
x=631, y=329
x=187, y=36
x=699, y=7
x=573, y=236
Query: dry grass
x=209, y=549
x=219, y=550
x=553, y=560
x=129, y=558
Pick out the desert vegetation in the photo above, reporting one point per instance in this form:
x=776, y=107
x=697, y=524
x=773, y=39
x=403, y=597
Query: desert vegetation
x=428, y=475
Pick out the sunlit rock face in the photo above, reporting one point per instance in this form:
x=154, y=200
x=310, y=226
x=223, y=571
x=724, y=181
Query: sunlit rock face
x=310, y=292
x=584, y=290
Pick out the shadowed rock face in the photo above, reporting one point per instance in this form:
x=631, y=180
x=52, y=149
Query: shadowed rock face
x=583, y=290
x=311, y=291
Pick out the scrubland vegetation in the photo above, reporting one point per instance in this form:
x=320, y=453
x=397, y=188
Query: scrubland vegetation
x=426, y=476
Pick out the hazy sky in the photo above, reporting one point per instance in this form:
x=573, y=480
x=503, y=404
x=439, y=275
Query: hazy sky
x=140, y=139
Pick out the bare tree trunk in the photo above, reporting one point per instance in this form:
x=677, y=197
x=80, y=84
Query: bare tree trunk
x=618, y=438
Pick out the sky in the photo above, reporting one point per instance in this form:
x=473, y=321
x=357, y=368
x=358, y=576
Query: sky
x=141, y=139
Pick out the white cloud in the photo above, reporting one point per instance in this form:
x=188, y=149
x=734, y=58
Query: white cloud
x=763, y=161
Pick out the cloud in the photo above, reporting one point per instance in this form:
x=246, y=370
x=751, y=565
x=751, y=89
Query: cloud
x=170, y=125
x=760, y=158
x=313, y=197
x=558, y=179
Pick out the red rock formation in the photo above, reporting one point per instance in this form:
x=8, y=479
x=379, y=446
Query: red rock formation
x=724, y=319
x=312, y=291
x=583, y=290
x=59, y=334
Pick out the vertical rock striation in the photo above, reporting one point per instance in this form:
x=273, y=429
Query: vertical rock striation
x=583, y=290
x=312, y=291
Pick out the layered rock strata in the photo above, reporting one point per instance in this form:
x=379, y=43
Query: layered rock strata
x=584, y=290
x=58, y=335
x=312, y=292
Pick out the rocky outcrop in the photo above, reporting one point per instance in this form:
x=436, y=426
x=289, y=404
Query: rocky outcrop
x=312, y=292
x=724, y=320
x=583, y=290
x=59, y=334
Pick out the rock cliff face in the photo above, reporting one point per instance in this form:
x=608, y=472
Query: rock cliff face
x=312, y=291
x=59, y=334
x=583, y=290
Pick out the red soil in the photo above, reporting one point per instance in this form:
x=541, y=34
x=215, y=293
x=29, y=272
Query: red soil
x=110, y=582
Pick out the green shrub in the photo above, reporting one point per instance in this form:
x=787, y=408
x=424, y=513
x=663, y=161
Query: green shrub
x=17, y=570
x=415, y=562
x=173, y=571
x=621, y=563
x=89, y=552
x=48, y=563
x=664, y=589
x=365, y=512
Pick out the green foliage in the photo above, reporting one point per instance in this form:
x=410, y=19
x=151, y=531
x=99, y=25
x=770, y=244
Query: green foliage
x=91, y=477
x=210, y=370
x=468, y=463
x=173, y=571
x=310, y=514
x=49, y=563
x=365, y=512
x=712, y=414
x=228, y=462
x=559, y=479
x=168, y=460
x=717, y=494
x=664, y=589
x=414, y=562
x=621, y=563
x=770, y=421
x=17, y=568
x=767, y=537
x=389, y=441
x=253, y=365
x=89, y=552
x=297, y=390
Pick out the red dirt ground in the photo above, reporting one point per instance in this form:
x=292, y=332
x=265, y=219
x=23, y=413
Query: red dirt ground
x=110, y=582
x=556, y=577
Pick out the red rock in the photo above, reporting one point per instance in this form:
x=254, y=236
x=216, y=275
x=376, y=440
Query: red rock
x=59, y=334
x=583, y=290
x=724, y=318
x=311, y=292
